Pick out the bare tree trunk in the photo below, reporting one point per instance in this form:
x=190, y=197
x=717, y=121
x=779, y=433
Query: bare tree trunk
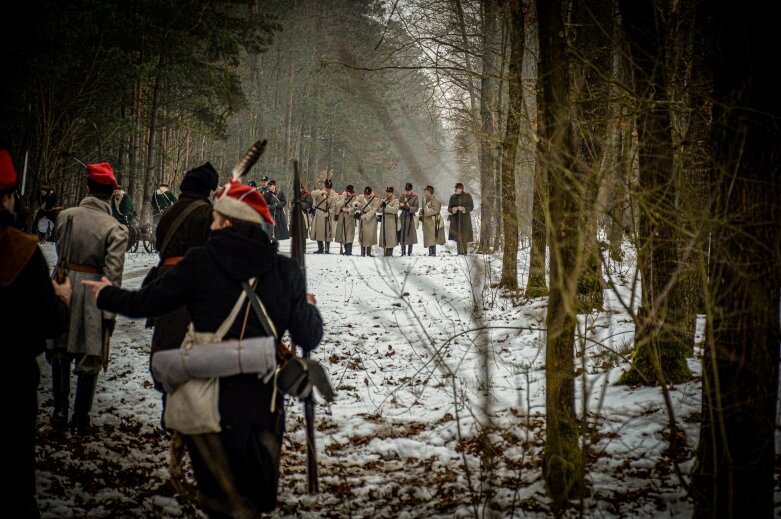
x=149, y=174
x=563, y=463
x=658, y=358
x=537, y=285
x=734, y=475
x=488, y=134
x=512, y=134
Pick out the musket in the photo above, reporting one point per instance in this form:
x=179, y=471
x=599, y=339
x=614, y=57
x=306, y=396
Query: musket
x=297, y=252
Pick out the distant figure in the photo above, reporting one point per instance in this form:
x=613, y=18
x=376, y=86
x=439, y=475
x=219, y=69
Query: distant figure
x=365, y=213
x=324, y=206
x=263, y=185
x=276, y=201
x=408, y=220
x=32, y=308
x=460, y=208
x=389, y=222
x=345, y=219
x=47, y=212
x=161, y=201
x=122, y=207
x=433, y=226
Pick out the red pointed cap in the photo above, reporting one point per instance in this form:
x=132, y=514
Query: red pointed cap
x=102, y=174
x=7, y=171
x=243, y=202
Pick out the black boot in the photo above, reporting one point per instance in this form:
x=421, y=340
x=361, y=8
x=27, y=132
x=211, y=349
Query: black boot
x=61, y=390
x=363, y=251
x=369, y=252
x=409, y=250
x=328, y=247
x=319, y=248
x=432, y=250
x=389, y=252
x=85, y=394
x=348, y=249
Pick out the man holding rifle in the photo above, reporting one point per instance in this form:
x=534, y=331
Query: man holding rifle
x=93, y=247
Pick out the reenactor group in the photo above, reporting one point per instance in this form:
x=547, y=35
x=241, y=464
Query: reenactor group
x=387, y=221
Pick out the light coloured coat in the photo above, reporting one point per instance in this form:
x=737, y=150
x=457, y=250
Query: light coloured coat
x=322, y=228
x=388, y=238
x=367, y=236
x=434, y=232
x=345, y=219
x=408, y=218
x=97, y=239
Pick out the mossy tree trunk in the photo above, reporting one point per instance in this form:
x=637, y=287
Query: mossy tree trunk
x=537, y=285
x=563, y=466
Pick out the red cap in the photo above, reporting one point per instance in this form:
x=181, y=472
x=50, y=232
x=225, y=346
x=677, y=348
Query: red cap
x=102, y=174
x=7, y=171
x=244, y=203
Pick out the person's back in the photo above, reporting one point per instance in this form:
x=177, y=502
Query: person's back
x=208, y=281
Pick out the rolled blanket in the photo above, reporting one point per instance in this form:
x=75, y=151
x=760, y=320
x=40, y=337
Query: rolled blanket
x=223, y=359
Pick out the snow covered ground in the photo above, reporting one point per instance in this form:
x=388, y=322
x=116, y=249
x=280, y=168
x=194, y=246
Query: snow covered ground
x=409, y=344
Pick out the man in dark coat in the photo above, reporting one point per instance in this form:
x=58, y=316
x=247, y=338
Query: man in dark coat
x=162, y=200
x=32, y=308
x=122, y=207
x=460, y=208
x=276, y=201
x=197, y=186
x=408, y=220
x=244, y=455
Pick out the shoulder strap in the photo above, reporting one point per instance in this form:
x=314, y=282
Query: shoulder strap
x=260, y=311
x=178, y=223
x=228, y=322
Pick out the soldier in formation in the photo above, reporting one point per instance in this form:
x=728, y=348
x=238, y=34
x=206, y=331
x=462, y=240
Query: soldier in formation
x=460, y=208
x=365, y=215
x=323, y=209
x=408, y=220
x=388, y=217
x=345, y=220
x=276, y=201
x=433, y=226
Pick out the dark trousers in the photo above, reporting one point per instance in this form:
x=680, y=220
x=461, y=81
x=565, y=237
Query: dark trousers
x=389, y=252
x=348, y=249
x=461, y=246
x=87, y=369
x=432, y=250
x=406, y=250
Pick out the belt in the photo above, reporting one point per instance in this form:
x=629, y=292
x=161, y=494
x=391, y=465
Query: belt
x=89, y=269
x=173, y=260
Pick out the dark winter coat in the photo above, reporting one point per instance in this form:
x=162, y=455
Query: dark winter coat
x=208, y=281
x=276, y=206
x=30, y=312
x=460, y=223
x=162, y=200
x=193, y=232
x=122, y=210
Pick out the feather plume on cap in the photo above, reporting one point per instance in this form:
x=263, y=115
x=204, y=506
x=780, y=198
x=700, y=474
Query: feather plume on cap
x=248, y=160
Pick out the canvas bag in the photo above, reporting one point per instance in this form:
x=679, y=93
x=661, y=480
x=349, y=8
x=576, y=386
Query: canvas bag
x=194, y=407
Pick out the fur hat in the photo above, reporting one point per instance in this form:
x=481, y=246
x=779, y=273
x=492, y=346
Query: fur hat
x=243, y=202
x=408, y=186
x=430, y=189
x=328, y=183
x=389, y=189
x=349, y=188
x=367, y=190
x=459, y=185
x=202, y=179
x=7, y=172
x=102, y=175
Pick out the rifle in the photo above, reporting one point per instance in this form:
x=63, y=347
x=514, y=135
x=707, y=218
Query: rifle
x=63, y=258
x=297, y=252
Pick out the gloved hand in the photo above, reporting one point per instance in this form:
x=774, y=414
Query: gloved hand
x=108, y=324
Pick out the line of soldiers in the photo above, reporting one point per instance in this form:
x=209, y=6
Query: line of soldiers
x=386, y=222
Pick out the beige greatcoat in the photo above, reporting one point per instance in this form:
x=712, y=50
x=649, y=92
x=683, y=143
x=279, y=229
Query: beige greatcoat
x=388, y=238
x=434, y=232
x=98, y=240
x=322, y=228
x=345, y=219
x=367, y=235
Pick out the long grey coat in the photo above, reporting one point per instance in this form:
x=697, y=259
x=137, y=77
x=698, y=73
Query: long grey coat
x=97, y=239
x=408, y=219
x=390, y=223
x=322, y=228
x=345, y=221
x=367, y=236
x=433, y=223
